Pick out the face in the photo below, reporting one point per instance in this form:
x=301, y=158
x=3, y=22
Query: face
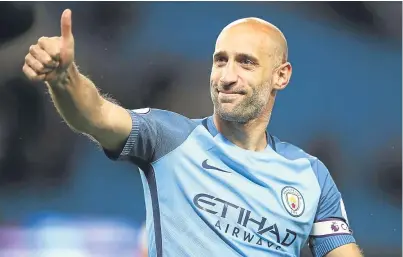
x=241, y=80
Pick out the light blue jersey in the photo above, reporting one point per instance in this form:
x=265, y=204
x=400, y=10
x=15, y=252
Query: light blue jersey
x=207, y=197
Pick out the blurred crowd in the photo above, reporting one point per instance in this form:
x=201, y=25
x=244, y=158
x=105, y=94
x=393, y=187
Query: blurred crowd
x=57, y=190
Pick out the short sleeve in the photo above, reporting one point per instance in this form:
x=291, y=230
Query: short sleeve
x=154, y=133
x=331, y=226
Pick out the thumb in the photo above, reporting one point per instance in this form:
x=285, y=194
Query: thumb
x=65, y=25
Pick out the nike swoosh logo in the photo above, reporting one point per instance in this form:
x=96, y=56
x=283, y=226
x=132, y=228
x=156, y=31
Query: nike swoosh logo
x=209, y=167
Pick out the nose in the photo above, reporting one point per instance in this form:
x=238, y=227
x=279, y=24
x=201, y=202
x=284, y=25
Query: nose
x=229, y=75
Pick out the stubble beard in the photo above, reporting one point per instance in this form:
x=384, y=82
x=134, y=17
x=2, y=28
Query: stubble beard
x=248, y=109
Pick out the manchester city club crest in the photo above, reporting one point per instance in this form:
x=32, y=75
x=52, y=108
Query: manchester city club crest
x=293, y=201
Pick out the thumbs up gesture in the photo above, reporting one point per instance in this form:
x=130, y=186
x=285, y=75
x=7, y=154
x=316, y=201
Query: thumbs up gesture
x=51, y=56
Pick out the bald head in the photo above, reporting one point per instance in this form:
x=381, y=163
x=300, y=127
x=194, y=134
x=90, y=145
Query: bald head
x=249, y=66
x=277, y=43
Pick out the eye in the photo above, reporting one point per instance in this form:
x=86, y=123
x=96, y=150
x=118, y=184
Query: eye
x=247, y=61
x=220, y=60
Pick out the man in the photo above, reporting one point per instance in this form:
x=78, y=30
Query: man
x=219, y=186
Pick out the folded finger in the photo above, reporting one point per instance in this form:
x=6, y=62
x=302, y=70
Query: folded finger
x=43, y=57
x=31, y=74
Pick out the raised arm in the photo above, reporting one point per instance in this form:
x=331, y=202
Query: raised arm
x=76, y=98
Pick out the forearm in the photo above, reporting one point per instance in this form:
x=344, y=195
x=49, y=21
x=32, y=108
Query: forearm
x=77, y=100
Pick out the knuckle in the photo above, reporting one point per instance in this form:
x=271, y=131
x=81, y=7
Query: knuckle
x=27, y=71
x=42, y=39
x=32, y=49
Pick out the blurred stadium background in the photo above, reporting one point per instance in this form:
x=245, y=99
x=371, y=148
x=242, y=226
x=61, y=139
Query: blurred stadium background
x=60, y=196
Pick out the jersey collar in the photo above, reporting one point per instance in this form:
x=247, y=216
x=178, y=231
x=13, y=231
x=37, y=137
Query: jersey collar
x=214, y=132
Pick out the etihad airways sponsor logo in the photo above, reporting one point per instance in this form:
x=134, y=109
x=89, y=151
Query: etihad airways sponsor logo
x=246, y=221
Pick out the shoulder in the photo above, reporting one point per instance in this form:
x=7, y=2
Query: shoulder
x=159, y=132
x=162, y=116
x=293, y=152
x=162, y=122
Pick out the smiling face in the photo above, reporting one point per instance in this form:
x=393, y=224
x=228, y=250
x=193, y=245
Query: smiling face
x=245, y=70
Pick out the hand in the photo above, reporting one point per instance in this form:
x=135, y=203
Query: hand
x=51, y=56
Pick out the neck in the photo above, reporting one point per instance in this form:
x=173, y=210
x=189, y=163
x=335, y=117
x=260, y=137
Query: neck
x=251, y=135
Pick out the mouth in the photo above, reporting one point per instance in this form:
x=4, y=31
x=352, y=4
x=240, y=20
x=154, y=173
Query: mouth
x=229, y=92
x=229, y=96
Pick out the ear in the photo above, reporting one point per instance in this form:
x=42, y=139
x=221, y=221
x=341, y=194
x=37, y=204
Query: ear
x=282, y=76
